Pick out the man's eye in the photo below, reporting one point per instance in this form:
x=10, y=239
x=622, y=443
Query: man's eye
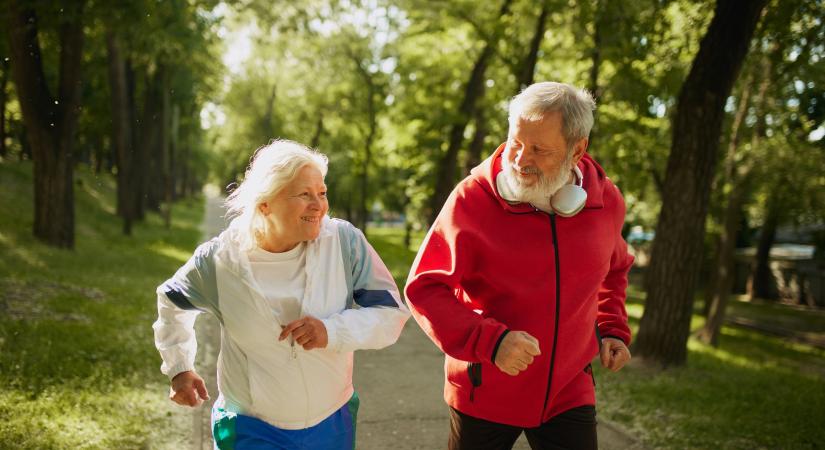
x=323, y=194
x=304, y=195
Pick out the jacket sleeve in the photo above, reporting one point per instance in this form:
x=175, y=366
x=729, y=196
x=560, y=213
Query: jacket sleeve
x=435, y=281
x=180, y=299
x=611, y=319
x=380, y=316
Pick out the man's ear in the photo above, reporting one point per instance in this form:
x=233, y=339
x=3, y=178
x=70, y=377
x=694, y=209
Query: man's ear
x=579, y=149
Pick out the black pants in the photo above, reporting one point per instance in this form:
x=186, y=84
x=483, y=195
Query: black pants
x=573, y=429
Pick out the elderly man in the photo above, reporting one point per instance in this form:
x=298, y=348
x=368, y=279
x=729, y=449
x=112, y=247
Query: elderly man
x=521, y=281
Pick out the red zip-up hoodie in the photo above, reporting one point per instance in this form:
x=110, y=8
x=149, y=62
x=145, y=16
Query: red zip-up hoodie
x=487, y=267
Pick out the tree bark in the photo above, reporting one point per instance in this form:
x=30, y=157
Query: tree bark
x=363, y=213
x=477, y=144
x=319, y=131
x=445, y=176
x=595, y=66
x=728, y=177
x=4, y=83
x=121, y=131
x=677, y=250
x=50, y=121
x=760, y=285
x=528, y=68
x=739, y=176
x=526, y=72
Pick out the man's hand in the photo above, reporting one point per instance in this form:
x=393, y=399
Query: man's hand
x=188, y=389
x=516, y=351
x=614, y=354
x=308, y=332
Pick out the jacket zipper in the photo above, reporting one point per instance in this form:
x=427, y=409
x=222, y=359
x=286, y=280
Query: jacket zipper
x=556, y=327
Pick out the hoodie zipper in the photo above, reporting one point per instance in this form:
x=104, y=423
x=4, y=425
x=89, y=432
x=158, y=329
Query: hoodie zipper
x=556, y=326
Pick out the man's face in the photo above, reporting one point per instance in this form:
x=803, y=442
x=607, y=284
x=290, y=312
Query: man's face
x=536, y=159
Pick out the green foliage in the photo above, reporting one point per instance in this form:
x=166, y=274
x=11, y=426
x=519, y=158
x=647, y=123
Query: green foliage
x=77, y=364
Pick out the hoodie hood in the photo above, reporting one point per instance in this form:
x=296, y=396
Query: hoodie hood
x=594, y=181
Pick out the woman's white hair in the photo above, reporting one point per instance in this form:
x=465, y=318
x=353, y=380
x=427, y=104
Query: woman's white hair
x=540, y=99
x=271, y=168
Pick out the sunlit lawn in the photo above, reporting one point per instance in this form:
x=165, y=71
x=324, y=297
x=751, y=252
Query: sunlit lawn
x=754, y=391
x=78, y=368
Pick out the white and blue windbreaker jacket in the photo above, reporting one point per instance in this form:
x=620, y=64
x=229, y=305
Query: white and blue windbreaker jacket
x=348, y=287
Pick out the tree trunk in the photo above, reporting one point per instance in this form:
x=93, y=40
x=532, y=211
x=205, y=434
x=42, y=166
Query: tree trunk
x=595, y=66
x=121, y=131
x=50, y=121
x=147, y=160
x=526, y=72
x=677, y=250
x=739, y=174
x=528, y=68
x=363, y=210
x=760, y=285
x=729, y=177
x=445, y=176
x=4, y=83
x=477, y=144
x=319, y=131
x=725, y=265
x=165, y=160
x=174, y=142
x=267, y=125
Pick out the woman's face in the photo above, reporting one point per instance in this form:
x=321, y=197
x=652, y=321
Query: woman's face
x=294, y=214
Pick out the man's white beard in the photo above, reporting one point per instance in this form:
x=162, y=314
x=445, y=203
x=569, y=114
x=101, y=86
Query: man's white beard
x=539, y=193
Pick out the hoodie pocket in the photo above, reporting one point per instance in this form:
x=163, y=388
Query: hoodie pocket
x=474, y=372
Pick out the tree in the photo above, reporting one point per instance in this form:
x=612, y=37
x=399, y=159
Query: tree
x=50, y=120
x=473, y=91
x=676, y=257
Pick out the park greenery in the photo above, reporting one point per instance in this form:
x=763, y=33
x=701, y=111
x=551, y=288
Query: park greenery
x=114, y=115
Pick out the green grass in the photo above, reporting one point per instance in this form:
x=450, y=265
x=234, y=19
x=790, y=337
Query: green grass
x=389, y=243
x=753, y=391
x=78, y=367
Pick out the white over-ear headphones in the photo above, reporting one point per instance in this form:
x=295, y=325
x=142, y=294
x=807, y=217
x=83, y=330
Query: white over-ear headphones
x=570, y=198
x=566, y=202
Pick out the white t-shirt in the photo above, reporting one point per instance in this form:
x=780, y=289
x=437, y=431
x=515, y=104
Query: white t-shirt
x=281, y=278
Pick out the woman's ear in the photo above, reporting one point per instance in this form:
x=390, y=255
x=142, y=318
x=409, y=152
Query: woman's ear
x=263, y=208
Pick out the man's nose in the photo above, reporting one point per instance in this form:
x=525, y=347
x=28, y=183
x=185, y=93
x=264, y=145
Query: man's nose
x=522, y=159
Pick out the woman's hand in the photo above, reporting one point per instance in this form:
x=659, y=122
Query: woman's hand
x=188, y=389
x=308, y=332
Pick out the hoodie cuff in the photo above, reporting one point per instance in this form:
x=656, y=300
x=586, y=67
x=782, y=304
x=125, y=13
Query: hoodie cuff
x=498, y=343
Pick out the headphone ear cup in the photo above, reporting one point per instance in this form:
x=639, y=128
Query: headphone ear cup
x=568, y=200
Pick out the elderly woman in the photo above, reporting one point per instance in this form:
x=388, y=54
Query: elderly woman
x=295, y=293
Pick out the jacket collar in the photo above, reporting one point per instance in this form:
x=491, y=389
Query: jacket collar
x=594, y=181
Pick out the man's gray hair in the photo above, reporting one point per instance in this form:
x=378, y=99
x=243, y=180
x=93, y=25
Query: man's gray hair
x=540, y=99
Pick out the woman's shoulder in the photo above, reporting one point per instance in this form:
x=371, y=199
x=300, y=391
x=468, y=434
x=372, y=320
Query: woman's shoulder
x=343, y=227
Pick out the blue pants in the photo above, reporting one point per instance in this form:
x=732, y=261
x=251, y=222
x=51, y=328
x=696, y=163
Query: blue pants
x=233, y=431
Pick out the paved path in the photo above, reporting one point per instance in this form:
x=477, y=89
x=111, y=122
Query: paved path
x=208, y=332
x=400, y=387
